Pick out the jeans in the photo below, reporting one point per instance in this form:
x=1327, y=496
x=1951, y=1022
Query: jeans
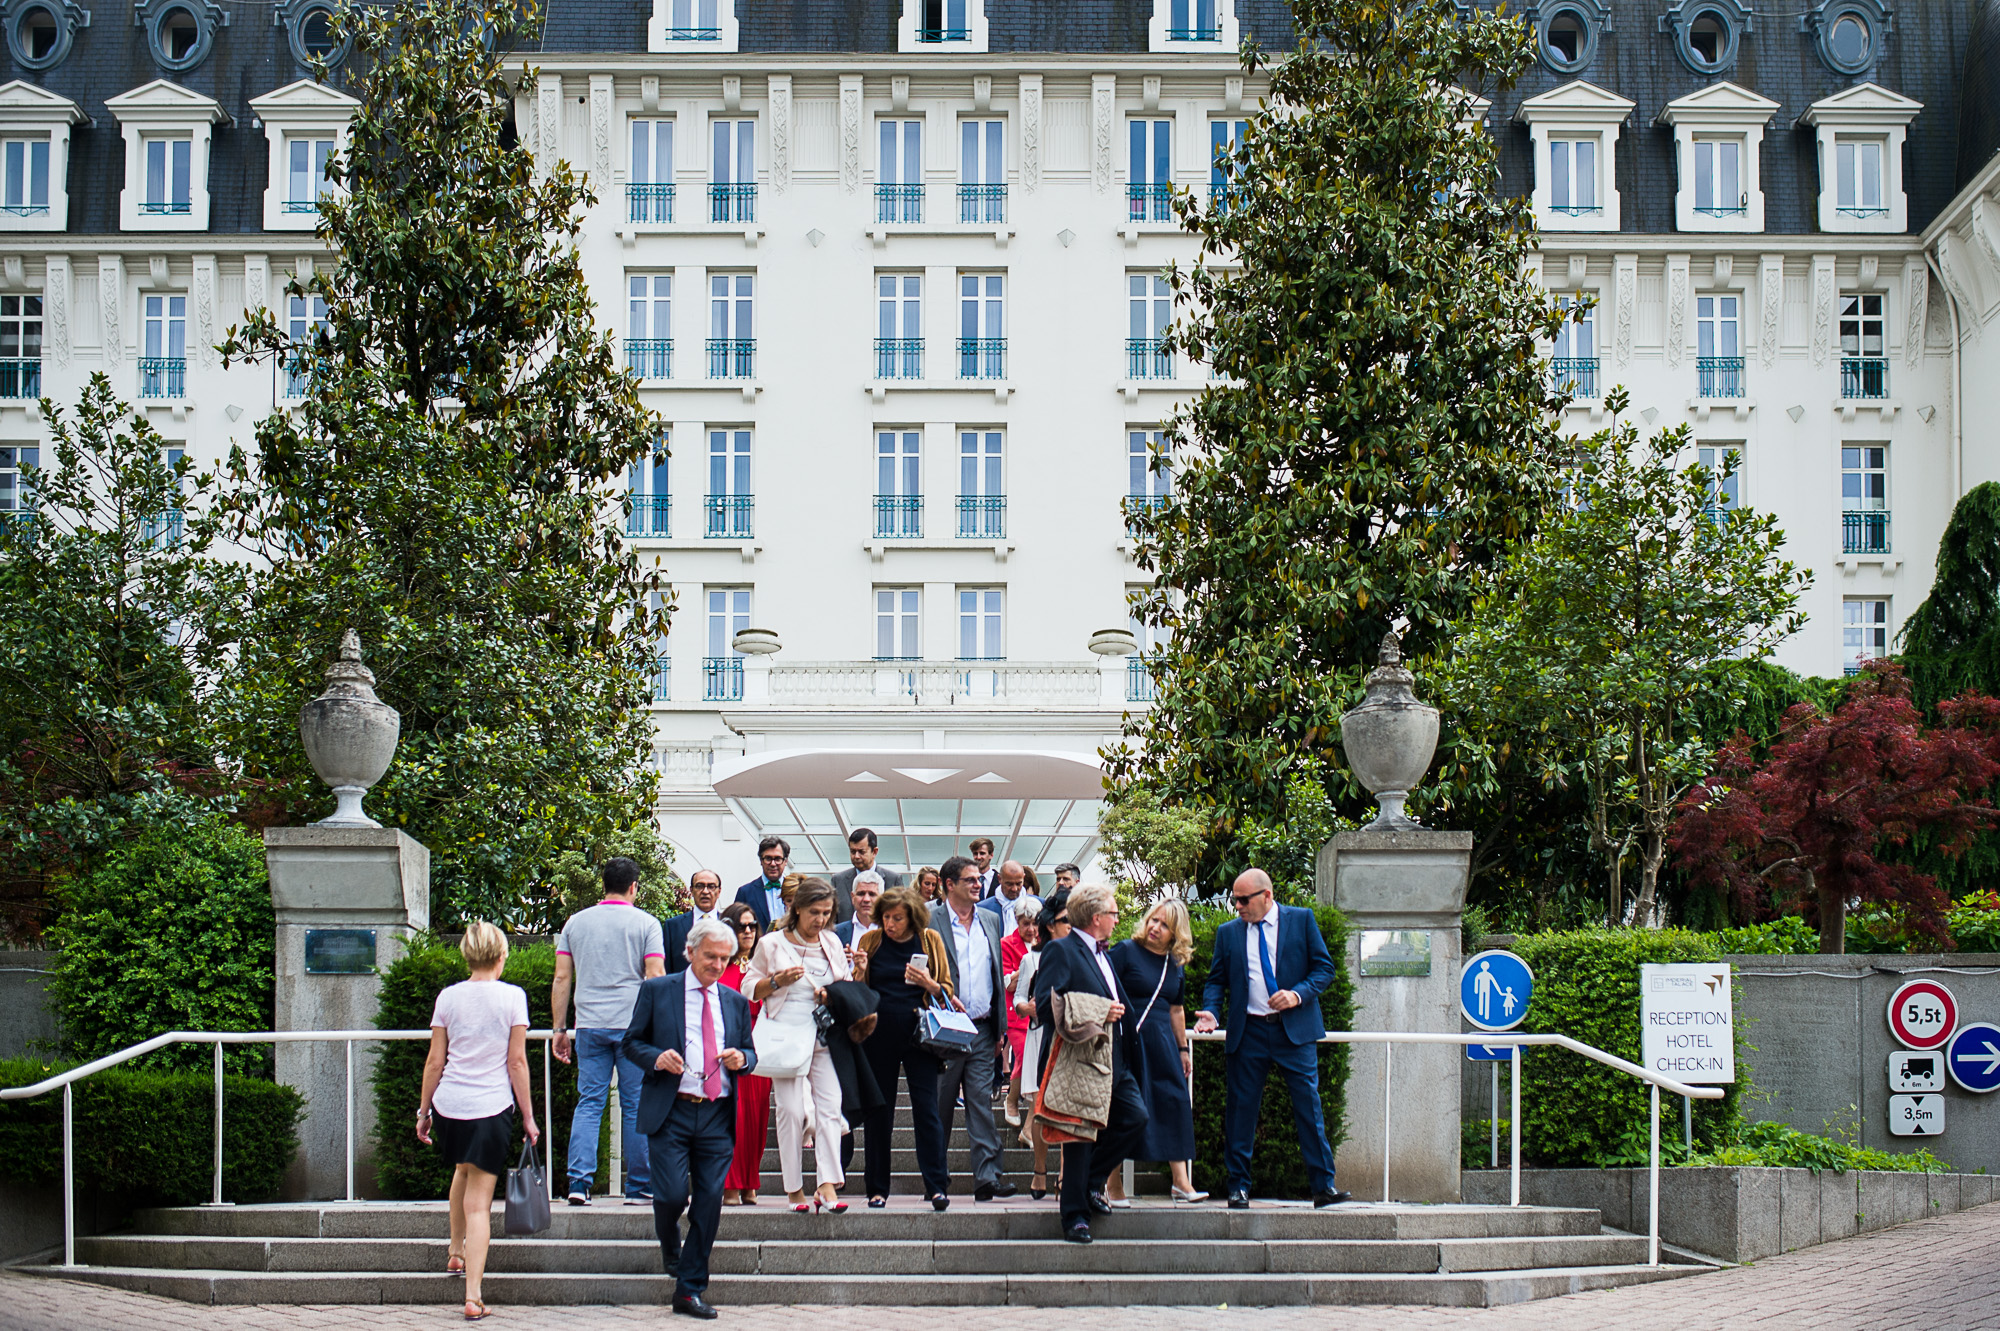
x=596, y=1053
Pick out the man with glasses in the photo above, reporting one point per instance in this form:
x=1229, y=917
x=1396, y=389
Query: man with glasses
x=1270, y=965
x=766, y=895
x=972, y=946
x=705, y=886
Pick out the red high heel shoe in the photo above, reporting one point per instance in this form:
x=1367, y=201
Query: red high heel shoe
x=836, y=1206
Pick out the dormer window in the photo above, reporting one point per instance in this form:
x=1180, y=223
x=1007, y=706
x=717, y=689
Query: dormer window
x=1193, y=25
x=1573, y=188
x=306, y=125
x=1574, y=134
x=169, y=175
x=1718, y=143
x=179, y=33
x=167, y=130
x=944, y=21
x=1566, y=34
x=34, y=158
x=1708, y=34
x=24, y=177
x=41, y=32
x=692, y=25
x=1858, y=178
x=307, y=156
x=1849, y=33
x=1859, y=139
x=952, y=25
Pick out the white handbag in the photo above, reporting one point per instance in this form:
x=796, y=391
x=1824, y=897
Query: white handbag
x=783, y=1050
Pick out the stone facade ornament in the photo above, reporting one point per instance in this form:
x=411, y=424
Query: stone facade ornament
x=1390, y=737
x=350, y=735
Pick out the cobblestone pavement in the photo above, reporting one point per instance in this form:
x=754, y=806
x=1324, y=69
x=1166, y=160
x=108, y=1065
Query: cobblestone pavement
x=1934, y=1274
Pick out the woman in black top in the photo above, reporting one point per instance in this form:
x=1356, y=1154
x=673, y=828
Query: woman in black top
x=904, y=960
x=1150, y=965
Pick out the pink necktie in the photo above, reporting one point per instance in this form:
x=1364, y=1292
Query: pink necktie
x=711, y=1075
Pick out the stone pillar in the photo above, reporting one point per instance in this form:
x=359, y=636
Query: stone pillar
x=1406, y=881
x=349, y=896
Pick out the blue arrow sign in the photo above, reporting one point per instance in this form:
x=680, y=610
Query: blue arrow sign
x=1493, y=1052
x=1494, y=990
x=1973, y=1056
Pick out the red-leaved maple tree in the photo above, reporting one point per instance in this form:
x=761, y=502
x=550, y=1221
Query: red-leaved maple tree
x=1809, y=825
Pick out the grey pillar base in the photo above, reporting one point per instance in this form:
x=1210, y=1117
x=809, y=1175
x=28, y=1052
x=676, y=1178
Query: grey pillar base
x=338, y=878
x=1402, y=879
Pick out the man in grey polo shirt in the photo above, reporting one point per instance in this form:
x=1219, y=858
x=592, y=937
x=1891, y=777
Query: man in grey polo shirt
x=604, y=952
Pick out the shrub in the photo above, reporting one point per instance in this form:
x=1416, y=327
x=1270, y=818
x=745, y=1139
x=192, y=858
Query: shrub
x=1785, y=936
x=172, y=932
x=1576, y=1111
x=1974, y=922
x=1276, y=1168
x=1780, y=1146
x=147, y=1137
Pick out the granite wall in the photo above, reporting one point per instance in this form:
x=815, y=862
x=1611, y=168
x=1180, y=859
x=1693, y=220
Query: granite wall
x=26, y=1020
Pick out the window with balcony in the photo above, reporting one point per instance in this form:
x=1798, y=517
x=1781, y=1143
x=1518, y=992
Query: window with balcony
x=982, y=489
x=1573, y=178
x=944, y=21
x=1225, y=137
x=162, y=530
x=649, y=181
x=1858, y=178
x=982, y=172
x=1718, y=178
x=1864, y=632
x=1718, y=355
x=1149, y=309
x=1149, y=177
x=1573, y=136
x=732, y=188
x=722, y=667
x=898, y=621
x=305, y=321
x=1864, y=499
x=169, y=176
x=35, y=129
x=306, y=158
x=1151, y=640
x=660, y=672
x=899, y=493
x=729, y=504
x=24, y=177
x=1864, y=361
x=1724, y=465
x=649, y=325
x=305, y=125
x=1149, y=472
x=1718, y=145
x=1573, y=367
x=982, y=329
x=163, y=368
x=693, y=21
x=981, y=620
x=899, y=326
x=648, y=495
x=20, y=347
x=899, y=171
x=16, y=462
x=1859, y=136
x=1193, y=21
x=732, y=343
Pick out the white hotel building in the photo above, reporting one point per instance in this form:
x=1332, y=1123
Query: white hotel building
x=893, y=278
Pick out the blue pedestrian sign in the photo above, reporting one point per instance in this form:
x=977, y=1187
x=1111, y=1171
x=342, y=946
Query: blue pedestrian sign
x=1497, y=1053
x=1973, y=1056
x=1494, y=990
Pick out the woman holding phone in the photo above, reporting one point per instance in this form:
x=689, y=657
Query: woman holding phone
x=904, y=960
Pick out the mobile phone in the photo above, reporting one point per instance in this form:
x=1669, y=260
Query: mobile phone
x=921, y=962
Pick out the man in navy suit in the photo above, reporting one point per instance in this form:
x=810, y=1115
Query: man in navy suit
x=691, y=1033
x=1078, y=964
x=1271, y=965
x=705, y=887
x=765, y=894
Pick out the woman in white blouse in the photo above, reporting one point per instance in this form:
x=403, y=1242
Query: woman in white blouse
x=788, y=974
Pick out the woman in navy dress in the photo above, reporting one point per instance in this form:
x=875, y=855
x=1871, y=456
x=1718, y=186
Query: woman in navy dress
x=1150, y=966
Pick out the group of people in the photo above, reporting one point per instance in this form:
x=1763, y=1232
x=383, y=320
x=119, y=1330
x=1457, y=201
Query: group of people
x=814, y=998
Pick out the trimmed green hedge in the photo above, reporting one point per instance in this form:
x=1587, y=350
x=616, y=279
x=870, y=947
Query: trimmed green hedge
x=148, y=1138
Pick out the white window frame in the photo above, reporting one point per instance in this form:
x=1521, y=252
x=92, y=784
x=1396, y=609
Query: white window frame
x=912, y=21
x=1875, y=618
x=15, y=494
x=899, y=462
x=1864, y=113
x=662, y=24
x=649, y=317
x=1160, y=28
x=982, y=463
x=31, y=113
x=651, y=478
x=1719, y=115
x=1141, y=481
x=1576, y=111
x=899, y=622
x=1724, y=494
x=300, y=110
x=738, y=456
x=982, y=623
x=646, y=170
x=728, y=614
x=161, y=109
x=1862, y=471
x=304, y=316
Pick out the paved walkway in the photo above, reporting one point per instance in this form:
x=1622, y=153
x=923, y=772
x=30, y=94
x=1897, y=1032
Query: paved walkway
x=1936, y=1274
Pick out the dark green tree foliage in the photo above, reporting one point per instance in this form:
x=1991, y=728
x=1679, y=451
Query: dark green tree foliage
x=445, y=486
x=173, y=931
x=99, y=594
x=1383, y=422
x=1951, y=643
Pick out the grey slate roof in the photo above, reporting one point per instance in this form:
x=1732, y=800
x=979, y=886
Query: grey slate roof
x=1979, y=91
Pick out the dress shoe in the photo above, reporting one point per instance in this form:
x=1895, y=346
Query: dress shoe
x=693, y=1305
x=1099, y=1204
x=986, y=1192
x=939, y=1201
x=1077, y=1233
x=1333, y=1198
x=1239, y=1199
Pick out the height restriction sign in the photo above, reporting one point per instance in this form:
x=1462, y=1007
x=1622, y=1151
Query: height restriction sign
x=1923, y=1014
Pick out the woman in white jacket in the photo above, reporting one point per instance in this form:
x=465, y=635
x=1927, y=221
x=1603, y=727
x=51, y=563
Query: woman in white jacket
x=788, y=974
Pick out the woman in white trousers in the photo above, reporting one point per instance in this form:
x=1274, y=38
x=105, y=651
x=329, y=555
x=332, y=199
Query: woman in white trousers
x=788, y=974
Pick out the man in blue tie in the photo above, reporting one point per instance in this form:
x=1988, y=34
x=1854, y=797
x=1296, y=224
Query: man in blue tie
x=765, y=894
x=1270, y=967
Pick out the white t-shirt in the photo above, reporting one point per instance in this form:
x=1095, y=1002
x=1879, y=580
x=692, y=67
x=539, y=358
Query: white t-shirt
x=478, y=1016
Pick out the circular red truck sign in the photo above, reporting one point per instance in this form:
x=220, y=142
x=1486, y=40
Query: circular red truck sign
x=1923, y=1014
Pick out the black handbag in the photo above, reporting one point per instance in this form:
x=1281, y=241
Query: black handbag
x=527, y=1194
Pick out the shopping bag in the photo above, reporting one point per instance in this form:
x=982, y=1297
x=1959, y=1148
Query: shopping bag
x=527, y=1194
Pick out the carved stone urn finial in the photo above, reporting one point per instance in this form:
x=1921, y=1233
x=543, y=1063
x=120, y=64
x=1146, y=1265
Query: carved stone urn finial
x=350, y=735
x=1390, y=737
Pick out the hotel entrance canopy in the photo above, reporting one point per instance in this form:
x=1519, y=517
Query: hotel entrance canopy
x=925, y=805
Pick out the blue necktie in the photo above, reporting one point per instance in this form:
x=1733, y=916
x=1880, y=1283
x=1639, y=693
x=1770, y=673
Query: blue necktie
x=1264, y=957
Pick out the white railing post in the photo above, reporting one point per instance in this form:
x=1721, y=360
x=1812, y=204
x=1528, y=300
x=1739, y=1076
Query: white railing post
x=1687, y=1123
x=548, y=1115
x=1388, y=1066
x=350, y=1120
x=1653, y=1187
x=615, y=1112
x=216, y=1198
x=69, y=1176
x=1514, y=1125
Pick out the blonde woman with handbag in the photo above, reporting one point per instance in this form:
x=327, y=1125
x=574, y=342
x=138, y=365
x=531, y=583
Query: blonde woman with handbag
x=788, y=974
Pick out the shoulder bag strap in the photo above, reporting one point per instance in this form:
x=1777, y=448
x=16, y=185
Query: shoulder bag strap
x=1164, y=963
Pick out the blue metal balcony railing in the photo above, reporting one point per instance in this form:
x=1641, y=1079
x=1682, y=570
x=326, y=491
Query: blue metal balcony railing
x=24, y=209
x=162, y=532
x=728, y=515
x=1865, y=533
x=1134, y=505
x=982, y=205
x=1719, y=376
x=1223, y=195
x=1862, y=213
x=659, y=681
x=1864, y=376
x=163, y=377
x=1150, y=203
x=1578, y=209
x=732, y=203
x=899, y=358
x=899, y=203
x=1139, y=679
x=21, y=377
x=1719, y=210
x=167, y=209
x=722, y=679
x=899, y=517
x=1575, y=374
x=944, y=34
x=694, y=34
x=982, y=517
x=649, y=203
x=650, y=357
x=651, y=515
x=982, y=358
x=732, y=358
x=301, y=205
x=1147, y=358
x=1194, y=34
x=297, y=379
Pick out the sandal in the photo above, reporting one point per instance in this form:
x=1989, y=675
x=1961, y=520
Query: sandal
x=472, y=1316
x=454, y=1265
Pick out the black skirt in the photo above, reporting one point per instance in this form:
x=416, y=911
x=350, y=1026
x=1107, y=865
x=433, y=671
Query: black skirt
x=483, y=1143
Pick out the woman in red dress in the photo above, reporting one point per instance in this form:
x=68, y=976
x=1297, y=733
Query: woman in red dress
x=753, y=1093
x=1013, y=948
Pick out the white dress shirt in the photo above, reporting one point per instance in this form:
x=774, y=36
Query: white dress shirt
x=700, y=915
x=694, y=1055
x=1260, y=994
x=774, y=901
x=1098, y=951
x=975, y=965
